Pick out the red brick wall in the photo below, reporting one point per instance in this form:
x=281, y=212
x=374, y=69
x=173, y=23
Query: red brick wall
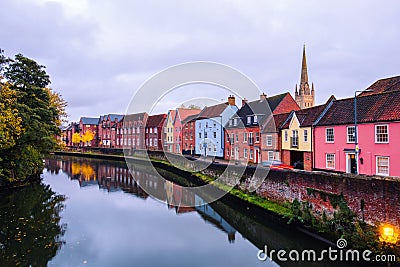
x=285, y=155
x=307, y=159
x=287, y=104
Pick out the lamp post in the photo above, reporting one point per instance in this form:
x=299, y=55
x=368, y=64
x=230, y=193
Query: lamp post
x=356, y=148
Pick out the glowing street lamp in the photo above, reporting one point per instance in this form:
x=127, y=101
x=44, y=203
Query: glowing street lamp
x=388, y=234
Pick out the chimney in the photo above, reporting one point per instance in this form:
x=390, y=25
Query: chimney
x=263, y=96
x=231, y=100
x=244, y=101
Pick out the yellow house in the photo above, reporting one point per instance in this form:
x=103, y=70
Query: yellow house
x=297, y=136
x=169, y=131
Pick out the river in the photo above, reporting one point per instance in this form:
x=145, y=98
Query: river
x=89, y=212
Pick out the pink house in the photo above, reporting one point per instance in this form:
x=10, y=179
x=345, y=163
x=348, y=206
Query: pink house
x=180, y=115
x=378, y=119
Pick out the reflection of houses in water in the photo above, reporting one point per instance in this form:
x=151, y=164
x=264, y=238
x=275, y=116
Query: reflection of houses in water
x=179, y=198
x=210, y=215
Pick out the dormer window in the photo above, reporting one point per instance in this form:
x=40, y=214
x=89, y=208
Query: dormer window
x=255, y=119
x=230, y=122
x=235, y=122
x=248, y=119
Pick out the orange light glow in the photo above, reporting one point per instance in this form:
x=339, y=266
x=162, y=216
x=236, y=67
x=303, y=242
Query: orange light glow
x=389, y=234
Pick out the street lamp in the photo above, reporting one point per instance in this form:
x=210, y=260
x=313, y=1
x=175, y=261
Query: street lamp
x=356, y=127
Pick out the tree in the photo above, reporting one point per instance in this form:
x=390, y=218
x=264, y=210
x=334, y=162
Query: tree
x=30, y=115
x=76, y=138
x=87, y=137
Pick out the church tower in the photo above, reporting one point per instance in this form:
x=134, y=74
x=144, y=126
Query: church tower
x=304, y=97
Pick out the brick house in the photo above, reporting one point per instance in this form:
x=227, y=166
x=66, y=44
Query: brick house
x=132, y=133
x=154, y=132
x=180, y=115
x=244, y=135
x=297, y=135
x=378, y=128
x=107, y=128
x=188, y=135
x=89, y=124
x=72, y=128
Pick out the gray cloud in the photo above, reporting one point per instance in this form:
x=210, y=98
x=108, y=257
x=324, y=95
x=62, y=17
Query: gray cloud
x=100, y=52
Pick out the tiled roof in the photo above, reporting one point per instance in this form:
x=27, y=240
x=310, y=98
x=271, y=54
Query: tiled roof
x=263, y=109
x=383, y=85
x=155, y=120
x=275, y=124
x=212, y=111
x=171, y=114
x=183, y=113
x=189, y=118
x=135, y=116
x=307, y=117
x=116, y=116
x=370, y=108
x=89, y=121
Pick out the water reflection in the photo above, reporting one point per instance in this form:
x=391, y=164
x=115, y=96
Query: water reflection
x=196, y=245
x=30, y=228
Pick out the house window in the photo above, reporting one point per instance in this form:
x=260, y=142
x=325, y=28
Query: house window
x=351, y=134
x=151, y=130
x=286, y=136
x=305, y=133
x=138, y=142
x=245, y=153
x=255, y=119
x=155, y=141
x=269, y=140
x=133, y=141
x=206, y=124
x=199, y=135
x=129, y=141
x=248, y=119
x=295, y=138
x=231, y=151
x=330, y=161
x=133, y=130
x=230, y=122
x=234, y=122
x=329, y=135
x=215, y=134
x=138, y=130
x=237, y=137
x=227, y=152
x=205, y=135
x=381, y=134
x=251, y=153
x=151, y=142
x=257, y=137
x=382, y=165
x=270, y=155
x=155, y=130
x=245, y=138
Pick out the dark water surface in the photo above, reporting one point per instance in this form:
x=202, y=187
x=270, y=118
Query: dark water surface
x=92, y=213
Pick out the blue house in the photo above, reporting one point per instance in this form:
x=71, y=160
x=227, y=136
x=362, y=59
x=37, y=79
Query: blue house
x=210, y=123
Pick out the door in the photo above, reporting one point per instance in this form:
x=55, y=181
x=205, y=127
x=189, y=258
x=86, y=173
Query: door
x=256, y=155
x=351, y=166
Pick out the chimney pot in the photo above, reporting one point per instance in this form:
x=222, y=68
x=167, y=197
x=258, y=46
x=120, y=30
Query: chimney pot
x=231, y=100
x=263, y=96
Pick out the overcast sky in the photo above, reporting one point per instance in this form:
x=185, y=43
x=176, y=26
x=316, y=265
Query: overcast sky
x=99, y=52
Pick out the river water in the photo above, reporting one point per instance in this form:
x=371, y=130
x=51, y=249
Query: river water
x=89, y=212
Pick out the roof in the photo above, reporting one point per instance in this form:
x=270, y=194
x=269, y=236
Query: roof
x=275, y=124
x=307, y=117
x=171, y=114
x=262, y=108
x=370, y=108
x=190, y=118
x=90, y=121
x=135, y=116
x=116, y=116
x=212, y=111
x=383, y=85
x=155, y=120
x=183, y=113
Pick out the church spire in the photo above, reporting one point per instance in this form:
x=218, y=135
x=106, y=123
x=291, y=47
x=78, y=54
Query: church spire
x=304, y=75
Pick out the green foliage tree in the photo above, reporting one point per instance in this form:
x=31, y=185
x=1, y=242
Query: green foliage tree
x=37, y=112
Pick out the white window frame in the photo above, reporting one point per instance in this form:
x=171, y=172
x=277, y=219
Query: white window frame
x=326, y=135
x=348, y=135
x=377, y=167
x=245, y=153
x=245, y=137
x=387, y=133
x=269, y=140
x=333, y=159
x=270, y=155
x=257, y=137
x=255, y=120
x=248, y=119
